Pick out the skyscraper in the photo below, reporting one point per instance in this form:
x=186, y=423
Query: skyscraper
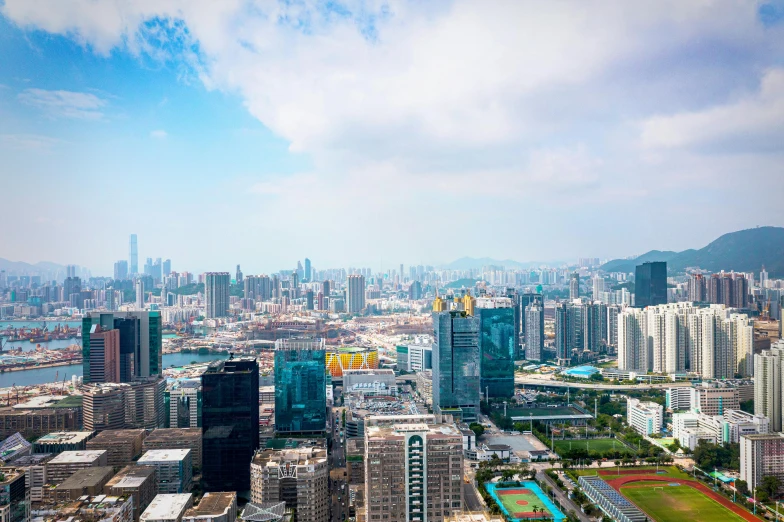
x=574, y=286
x=238, y=276
x=496, y=347
x=133, y=255
x=456, y=377
x=523, y=300
x=650, y=284
x=139, y=287
x=308, y=275
x=230, y=423
x=355, y=294
x=216, y=287
x=534, y=328
x=300, y=386
x=104, y=363
x=140, y=337
x=121, y=270
x=167, y=267
x=563, y=329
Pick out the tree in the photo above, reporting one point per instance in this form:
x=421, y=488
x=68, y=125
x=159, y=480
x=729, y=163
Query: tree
x=770, y=485
x=477, y=428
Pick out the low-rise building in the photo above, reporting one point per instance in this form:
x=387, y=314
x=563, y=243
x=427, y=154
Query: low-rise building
x=167, y=507
x=35, y=473
x=176, y=438
x=173, y=469
x=122, y=446
x=355, y=460
x=370, y=381
x=137, y=482
x=13, y=448
x=69, y=462
x=645, y=417
x=59, y=441
x=88, y=481
x=101, y=508
x=36, y=422
x=214, y=507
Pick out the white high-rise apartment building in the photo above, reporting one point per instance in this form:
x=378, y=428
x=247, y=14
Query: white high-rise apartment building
x=598, y=288
x=671, y=338
x=355, y=294
x=768, y=384
x=632, y=341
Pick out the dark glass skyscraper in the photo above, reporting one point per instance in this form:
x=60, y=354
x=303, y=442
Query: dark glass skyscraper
x=300, y=386
x=650, y=284
x=230, y=423
x=456, y=376
x=497, y=351
x=141, y=351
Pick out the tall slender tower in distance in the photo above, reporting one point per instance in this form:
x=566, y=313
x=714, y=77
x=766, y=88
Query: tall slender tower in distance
x=133, y=255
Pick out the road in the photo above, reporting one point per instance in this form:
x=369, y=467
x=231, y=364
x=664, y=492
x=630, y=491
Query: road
x=532, y=381
x=338, y=483
x=471, y=499
x=567, y=504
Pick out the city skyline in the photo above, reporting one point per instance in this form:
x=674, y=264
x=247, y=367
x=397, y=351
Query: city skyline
x=212, y=124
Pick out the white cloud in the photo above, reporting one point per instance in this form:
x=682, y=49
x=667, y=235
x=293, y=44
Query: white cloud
x=66, y=104
x=159, y=134
x=493, y=111
x=755, y=121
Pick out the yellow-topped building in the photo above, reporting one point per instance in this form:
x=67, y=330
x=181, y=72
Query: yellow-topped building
x=351, y=358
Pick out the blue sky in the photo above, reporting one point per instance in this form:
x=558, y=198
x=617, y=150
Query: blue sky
x=380, y=132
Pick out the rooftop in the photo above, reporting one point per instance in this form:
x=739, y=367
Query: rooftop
x=131, y=476
x=76, y=457
x=87, y=477
x=173, y=434
x=64, y=437
x=213, y=504
x=167, y=506
x=163, y=455
x=8, y=475
x=87, y=509
x=115, y=436
x=302, y=455
x=402, y=427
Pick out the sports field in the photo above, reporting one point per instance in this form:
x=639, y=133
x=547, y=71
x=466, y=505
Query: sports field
x=598, y=445
x=675, y=503
x=520, y=503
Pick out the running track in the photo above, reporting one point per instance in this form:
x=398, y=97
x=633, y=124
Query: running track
x=618, y=482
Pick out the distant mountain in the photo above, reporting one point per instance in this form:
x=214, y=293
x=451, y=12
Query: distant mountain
x=742, y=251
x=21, y=266
x=467, y=263
x=627, y=265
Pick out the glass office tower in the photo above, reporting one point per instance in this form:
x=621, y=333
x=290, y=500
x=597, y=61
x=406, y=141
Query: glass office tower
x=650, y=284
x=141, y=342
x=300, y=386
x=230, y=423
x=497, y=351
x=456, y=365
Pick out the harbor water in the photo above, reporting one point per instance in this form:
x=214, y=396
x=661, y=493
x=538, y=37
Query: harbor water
x=45, y=375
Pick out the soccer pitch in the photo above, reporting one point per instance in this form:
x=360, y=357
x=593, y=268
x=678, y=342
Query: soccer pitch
x=598, y=445
x=665, y=503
